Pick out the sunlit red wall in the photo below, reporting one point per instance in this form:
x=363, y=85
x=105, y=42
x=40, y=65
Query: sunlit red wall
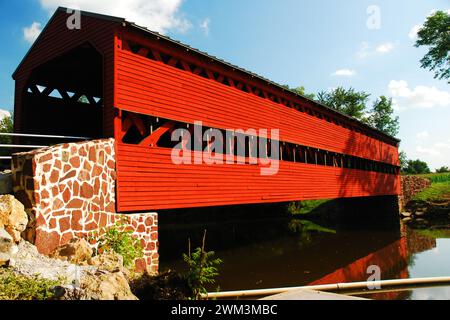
x=148, y=180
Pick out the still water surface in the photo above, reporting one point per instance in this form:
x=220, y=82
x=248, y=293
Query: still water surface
x=284, y=252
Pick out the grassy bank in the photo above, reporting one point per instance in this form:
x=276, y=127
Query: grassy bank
x=440, y=188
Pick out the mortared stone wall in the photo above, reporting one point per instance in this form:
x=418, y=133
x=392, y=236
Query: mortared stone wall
x=69, y=191
x=411, y=186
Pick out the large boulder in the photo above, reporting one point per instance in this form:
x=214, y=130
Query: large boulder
x=29, y=262
x=109, y=261
x=8, y=248
x=77, y=251
x=6, y=241
x=13, y=217
x=69, y=292
x=103, y=285
x=75, y=282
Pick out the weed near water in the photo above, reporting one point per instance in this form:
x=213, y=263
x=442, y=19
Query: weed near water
x=203, y=269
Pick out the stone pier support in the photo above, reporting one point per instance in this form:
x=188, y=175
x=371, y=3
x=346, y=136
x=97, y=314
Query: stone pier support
x=411, y=186
x=69, y=191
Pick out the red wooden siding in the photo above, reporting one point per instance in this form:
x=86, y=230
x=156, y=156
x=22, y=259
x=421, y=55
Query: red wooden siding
x=149, y=180
x=153, y=88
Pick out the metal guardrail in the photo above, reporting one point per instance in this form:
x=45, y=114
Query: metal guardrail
x=29, y=146
x=41, y=136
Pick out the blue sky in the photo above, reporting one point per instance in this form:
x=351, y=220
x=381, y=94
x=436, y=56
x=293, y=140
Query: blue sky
x=318, y=44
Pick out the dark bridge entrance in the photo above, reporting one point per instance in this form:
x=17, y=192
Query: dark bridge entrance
x=65, y=95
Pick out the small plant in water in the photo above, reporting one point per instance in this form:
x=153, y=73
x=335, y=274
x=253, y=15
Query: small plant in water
x=202, y=269
x=121, y=241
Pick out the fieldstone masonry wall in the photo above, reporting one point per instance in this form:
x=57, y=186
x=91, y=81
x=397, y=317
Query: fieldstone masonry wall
x=69, y=191
x=411, y=185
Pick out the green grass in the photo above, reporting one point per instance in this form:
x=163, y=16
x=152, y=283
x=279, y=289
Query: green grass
x=305, y=207
x=435, y=192
x=436, y=177
x=17, y=287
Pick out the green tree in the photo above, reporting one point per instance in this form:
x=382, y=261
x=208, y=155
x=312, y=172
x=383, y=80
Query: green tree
x=435, y=34
x=382, y=117
x=416, y=167
x=6, y=126
x=347, y=101
x=403, y=160
x=301, y=91
x=443, y=170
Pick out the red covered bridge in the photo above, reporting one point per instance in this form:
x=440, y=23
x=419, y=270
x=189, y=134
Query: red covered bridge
x=112, y=78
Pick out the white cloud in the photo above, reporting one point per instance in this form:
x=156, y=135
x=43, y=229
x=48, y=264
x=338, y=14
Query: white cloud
x=413, y=33
x=419, y=97
x=385, y=47
x=344, y=73
x=331, y=89
x=363, y=51
x=436, y=150
x=157, y=15
x=429, y=151
x=204, y=25
x=31, y=33
x=367, y=50
x=423, y=135
x=436, y=154
x=4, y=113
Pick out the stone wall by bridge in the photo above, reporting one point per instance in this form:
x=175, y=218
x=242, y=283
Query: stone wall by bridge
x=411, y=186
x=69, y=191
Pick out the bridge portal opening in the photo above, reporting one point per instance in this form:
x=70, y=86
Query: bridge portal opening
x=64, y=96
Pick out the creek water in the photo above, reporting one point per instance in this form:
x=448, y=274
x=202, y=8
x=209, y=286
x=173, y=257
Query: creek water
x=274, y=252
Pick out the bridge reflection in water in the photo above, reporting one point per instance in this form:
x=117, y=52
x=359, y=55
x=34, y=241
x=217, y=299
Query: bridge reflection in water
x=273, y=252
x=393, y=260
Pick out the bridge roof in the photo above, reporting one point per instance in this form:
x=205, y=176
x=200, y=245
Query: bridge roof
x=149, y=32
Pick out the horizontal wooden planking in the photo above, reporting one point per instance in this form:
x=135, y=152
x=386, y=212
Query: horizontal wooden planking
x=148, y=180
x=177, y=52
x=253, y=121
x=150, y=87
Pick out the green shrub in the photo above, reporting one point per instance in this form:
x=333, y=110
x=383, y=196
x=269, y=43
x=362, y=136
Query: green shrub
x=202, y=269
x=17, y=287
x=121, y=241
